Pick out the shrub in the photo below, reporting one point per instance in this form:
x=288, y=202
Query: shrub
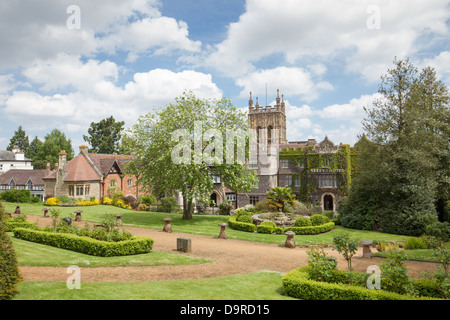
x=321, y=266
x=52, y=201
x=131, y=201
x=107, y=201
x=242, y=226
x=142, y=207
x=302, y=222
x=88, y=202
x=303, y=210
x=136, y=245
x=395, y=276
x=267, y=227
x=414, y=243
x=168, y=204
x=148, y=199
x=297, y=284
x=247, y=218
x=318, y=219
x=263, y=206
x=9, y=270
x=225, y=208
x=19, y=196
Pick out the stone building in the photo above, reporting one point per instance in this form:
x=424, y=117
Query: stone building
x=318, y=172
x=90, y=175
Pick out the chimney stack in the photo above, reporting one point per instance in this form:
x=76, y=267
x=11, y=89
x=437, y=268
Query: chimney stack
x=84, y=149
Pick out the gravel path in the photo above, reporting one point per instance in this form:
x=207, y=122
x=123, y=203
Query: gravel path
x=229, y=257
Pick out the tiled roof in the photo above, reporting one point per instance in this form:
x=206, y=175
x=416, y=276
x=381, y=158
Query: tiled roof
x=90, y=167
x=21, y=177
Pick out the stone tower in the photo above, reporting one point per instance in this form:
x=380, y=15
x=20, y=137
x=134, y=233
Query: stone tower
x=269, y=117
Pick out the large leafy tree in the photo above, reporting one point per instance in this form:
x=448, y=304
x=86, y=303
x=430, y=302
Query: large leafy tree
x=54, y=142
x=179, y=149
x=104, y=136
x=405, y=172
x=19, y=139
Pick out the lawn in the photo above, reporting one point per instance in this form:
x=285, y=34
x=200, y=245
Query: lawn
x=200, y=224
x=251, y=286
x=31, y=254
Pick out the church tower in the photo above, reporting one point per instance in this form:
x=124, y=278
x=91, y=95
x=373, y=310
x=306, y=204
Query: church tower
x=269, y=117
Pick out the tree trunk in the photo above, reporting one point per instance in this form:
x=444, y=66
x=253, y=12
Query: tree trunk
x=187, y=208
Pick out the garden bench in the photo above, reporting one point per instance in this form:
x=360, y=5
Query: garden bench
x=78, y=215
x=223, y=232
x=45, y=212
x=167, y=226
x=290, y=242
x=367, y=253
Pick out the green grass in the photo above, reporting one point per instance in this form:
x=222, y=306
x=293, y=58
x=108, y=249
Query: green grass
x=416, y=255
x=251, y=286
x=200, y=224
x=31, y=254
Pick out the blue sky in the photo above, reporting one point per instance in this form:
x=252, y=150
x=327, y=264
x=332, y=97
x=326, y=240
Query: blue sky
x=127, y=58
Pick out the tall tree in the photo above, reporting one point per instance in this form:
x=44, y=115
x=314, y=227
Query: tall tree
x=406, y=171
x=104, y=136
x=19, y=139
x=164, y=162
x=54, y=142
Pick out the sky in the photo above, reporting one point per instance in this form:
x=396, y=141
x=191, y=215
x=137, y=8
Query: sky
x=65, y=64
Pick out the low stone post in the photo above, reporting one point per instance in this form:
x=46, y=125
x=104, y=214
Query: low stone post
x=184, y=245
x=167, y=226
x=119, y=220
x=78, y=215
x=290, y=242
x=367, y=253
x=17, y=211
x=223, y=231
x=45, y=212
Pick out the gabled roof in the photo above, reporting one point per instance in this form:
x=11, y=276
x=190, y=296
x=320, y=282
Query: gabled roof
x=21, y=177
x=90, y=166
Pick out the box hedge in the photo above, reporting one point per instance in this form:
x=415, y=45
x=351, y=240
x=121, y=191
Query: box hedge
x=136, y=245
x=241, y=226
x=297, y=284
x=311, y=229
x=11, y=225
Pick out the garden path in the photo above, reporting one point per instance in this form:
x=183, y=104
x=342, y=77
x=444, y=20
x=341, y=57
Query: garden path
x=229, y=257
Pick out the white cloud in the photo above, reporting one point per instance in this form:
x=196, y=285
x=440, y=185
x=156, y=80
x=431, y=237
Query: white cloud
x=69, y=71
x=322, y=30
x=352, y=111
x=441, y=63
x=293, y=81
x=31, y=30
x=99, y=98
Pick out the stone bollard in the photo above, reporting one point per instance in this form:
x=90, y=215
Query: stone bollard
x=17, y=211
x=45, y=212
x=290, y=242
x=223, y=231
x=367, y=253
x=119, y=220
x=78, y=215
x=184, y=245
x=167, y=226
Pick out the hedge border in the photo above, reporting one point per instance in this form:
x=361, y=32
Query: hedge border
x=241, y=226
x=297, y=285
x=310, y=230
x=12, y=225
x=137, y=245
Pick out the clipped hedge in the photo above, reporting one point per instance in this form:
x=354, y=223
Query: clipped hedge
x=267, y=227
x=11, y=225
x=297, y=284
x=302, y=222
x=311, y=229
x=241, y=226
x=319, y=219
x=86, y=245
